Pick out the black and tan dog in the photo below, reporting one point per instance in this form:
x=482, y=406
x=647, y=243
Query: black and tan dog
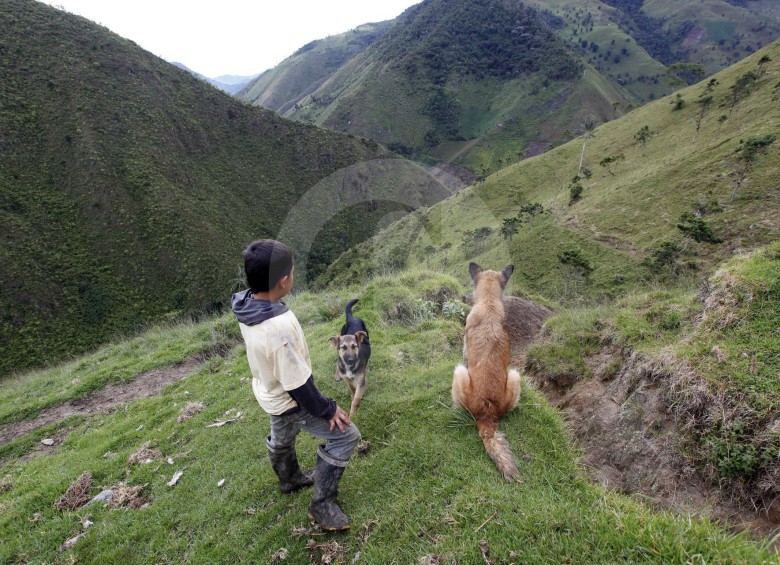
x=354, y=351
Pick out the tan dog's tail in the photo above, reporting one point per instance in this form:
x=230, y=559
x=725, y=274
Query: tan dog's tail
x=498, y=448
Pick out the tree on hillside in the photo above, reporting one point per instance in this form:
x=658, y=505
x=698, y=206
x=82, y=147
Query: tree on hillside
x=747, y=152
x=762, y=63
x=574, y=259
x=616, y=105
x=711, y=85
x=663, y=259
x=608, y=162
x=704, y=103
x=586, y=172
x=680, y=74
x=697, y=229
x=741, y=88
x=510, y=227
x=643, y=136
x=443, y=110
x=589, y=123
x=678, y=102
x=473, y=242
x=575, y=190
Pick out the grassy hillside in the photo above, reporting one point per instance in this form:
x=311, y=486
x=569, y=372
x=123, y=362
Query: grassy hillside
x=714, y=356
x=720, y=32
x=633, y=42
x=283, y=87
x=423, y=490
x=643, y=212
x=128, y=187
x=643, y=253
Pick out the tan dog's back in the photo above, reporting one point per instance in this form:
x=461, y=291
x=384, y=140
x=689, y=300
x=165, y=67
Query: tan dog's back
x=487, y=344
x=486, y=387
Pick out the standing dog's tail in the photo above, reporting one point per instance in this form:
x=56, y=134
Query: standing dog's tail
x=498, y=448
x=350, y=304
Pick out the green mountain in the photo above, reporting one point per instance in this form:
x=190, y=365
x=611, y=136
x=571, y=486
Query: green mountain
x=128, y=187
x=282, y=87
x=483, y=85
x=649, y=181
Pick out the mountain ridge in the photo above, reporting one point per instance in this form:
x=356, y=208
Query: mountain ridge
x=437, y=113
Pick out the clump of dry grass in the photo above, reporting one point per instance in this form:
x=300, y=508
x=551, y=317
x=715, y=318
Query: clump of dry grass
x=331, y=552
x=77, y=494
x=128, y=496
x=144, y=455
x=189, y=411
x=726, y=299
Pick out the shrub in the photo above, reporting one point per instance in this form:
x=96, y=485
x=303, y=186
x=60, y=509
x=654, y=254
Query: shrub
x=663, y=257
x=575, y=192
x=574, y=258
x=697, y=229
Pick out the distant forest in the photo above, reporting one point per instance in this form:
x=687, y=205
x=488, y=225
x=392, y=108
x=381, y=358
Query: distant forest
x=461, y=41
x=648, y=32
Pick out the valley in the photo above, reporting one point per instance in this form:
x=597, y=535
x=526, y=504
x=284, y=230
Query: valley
x=636, y=194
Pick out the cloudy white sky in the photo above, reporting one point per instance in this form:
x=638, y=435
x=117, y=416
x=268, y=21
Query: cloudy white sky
x=230, y=37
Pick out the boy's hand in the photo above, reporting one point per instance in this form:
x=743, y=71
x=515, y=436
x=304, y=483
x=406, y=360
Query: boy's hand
x=339, y=419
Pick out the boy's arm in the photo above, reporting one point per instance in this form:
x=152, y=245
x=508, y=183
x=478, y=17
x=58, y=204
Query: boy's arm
x=309, y=397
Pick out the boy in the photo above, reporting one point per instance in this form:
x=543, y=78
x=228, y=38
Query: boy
x=284, y=386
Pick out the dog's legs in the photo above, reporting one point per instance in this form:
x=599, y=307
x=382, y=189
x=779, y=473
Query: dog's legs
x=460, y=384
x=512, y=389
x=358, y=389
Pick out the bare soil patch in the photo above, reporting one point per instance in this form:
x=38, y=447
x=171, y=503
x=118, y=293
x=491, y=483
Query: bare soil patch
x=630, y=442
x=104, y=400
x=522, y=320
x=452, y=177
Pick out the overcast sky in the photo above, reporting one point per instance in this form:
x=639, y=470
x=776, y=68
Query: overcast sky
x=230, y=37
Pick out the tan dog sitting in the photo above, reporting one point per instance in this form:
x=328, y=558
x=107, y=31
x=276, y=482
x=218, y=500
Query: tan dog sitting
x=486, y=387
x=354, y=351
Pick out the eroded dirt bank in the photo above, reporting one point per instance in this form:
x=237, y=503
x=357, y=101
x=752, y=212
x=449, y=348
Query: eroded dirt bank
x=631, y=440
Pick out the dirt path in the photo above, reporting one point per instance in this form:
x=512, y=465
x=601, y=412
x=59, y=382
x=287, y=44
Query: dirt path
x=106, y=399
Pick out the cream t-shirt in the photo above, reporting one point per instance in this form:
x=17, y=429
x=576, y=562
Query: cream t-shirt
x=279, y=360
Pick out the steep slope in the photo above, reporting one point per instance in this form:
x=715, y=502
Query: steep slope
x=419, y=489
x=655, y=198
x=696, y=371
x=443, y=83
x=128, y=187
x=283, y=87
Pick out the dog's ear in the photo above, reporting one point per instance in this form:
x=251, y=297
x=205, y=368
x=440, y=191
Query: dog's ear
x=474, y=270
x=506, y=272
x=335, y=340
x=360, y=336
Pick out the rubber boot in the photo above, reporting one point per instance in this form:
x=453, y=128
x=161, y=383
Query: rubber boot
x=285, y=464
x=323, y=509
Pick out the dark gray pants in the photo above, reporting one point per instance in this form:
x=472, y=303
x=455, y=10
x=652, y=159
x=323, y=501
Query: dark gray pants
x=338, y=447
